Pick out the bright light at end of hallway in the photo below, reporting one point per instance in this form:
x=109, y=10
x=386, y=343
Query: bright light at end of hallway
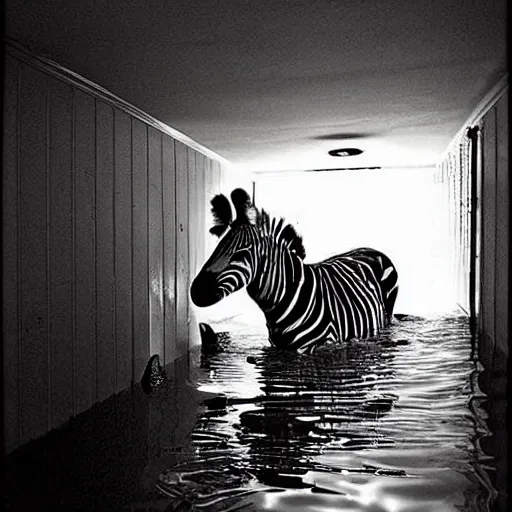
x=398, y=212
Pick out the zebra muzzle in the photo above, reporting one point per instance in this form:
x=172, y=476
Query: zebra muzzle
x=205, y=290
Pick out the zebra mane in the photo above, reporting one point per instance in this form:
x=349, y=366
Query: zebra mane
x=277, y=228
x=248, y=214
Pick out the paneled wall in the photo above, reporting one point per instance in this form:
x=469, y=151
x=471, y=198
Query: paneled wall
x=206, y=178
x=491, y=258
x=453, y=175
x=104, y=221
x=495, y=232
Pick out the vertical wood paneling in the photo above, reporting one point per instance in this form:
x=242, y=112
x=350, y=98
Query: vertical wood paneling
x=182, y=248
x=140, y=289
x=10, y=226
x=155, y=240
x=196, y=230
x=216, y=179
x=502, y=225
x=193, y=227
x=462, y=208
x=34, y=348
x=449, y=220
x=61, y=252
x=85, y=243
x=169, y=241
x=489, y=223
x=211, y=189
x=105, y=220
x=208, y=186
x=467, y=225
x=478, y=225
x=461, y=225
x=201, y=170
x=474, y=227
x=105, y=285
x=193, y=214
x=224, y=181
x=123, y=245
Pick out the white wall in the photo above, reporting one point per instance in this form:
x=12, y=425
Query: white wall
x=396, y=211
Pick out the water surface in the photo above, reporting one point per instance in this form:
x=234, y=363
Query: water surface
x=389, y=425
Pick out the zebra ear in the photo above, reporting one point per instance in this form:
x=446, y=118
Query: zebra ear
x=222, y=215
x=245, y=211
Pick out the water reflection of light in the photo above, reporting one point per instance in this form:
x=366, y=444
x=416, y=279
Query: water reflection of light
x=423, y=432
x=270, y=500
x=248, y=384
x=390, y=503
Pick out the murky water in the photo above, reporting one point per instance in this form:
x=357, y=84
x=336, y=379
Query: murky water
x=390, y=426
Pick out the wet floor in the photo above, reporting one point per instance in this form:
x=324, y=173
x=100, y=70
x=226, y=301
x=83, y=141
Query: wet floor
x=394, y=425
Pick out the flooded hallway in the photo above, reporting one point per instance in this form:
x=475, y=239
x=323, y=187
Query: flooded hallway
x=382, y=126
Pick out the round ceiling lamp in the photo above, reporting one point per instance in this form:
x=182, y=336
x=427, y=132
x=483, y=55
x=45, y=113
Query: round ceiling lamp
x=345, y=152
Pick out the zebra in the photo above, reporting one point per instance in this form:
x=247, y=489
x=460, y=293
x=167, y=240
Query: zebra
x=348, y=296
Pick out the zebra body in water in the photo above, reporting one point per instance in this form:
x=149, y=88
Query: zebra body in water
x=351, y=295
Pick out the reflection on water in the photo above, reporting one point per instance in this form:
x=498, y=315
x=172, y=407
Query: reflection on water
x=392, y=425
x=388, y=426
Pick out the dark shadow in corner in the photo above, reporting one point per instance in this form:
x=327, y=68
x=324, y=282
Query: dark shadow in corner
x=94, y=462
x=107, y=458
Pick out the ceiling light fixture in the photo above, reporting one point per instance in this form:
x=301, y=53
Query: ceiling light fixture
x=345, y=152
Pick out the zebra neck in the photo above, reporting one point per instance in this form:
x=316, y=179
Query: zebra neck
x=278, y=287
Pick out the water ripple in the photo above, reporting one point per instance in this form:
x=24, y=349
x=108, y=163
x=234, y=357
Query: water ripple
x=389, y=425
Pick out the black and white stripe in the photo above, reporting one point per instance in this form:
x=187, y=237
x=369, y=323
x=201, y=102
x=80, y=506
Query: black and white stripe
x=351, y=295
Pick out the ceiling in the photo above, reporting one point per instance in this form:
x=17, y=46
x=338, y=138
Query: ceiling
x=274, y=85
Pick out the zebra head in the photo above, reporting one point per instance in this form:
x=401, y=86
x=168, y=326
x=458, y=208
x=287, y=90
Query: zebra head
x=246, y=253
x=231, y=265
